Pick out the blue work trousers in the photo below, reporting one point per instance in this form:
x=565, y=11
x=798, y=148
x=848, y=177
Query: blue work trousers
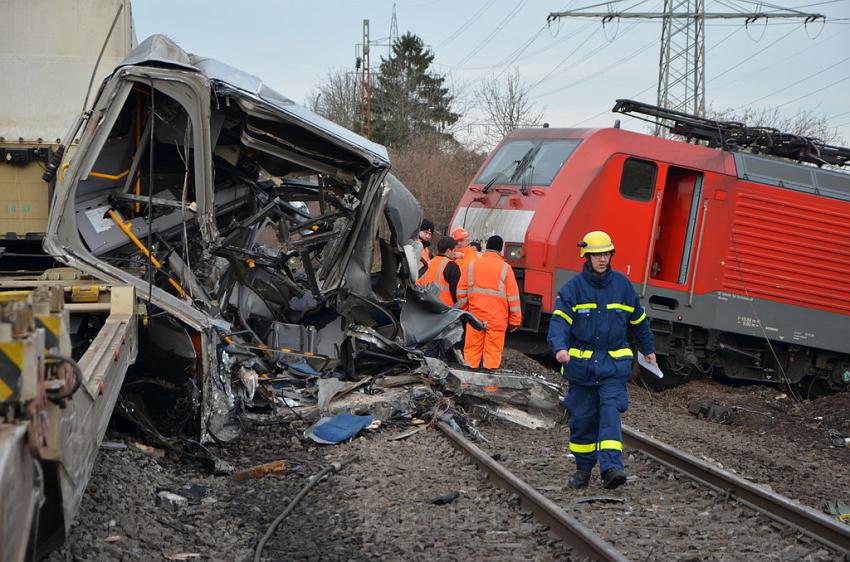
x=595, y=431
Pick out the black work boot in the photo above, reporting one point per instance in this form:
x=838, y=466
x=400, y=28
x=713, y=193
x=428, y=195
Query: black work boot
x=581, y=479
x=613, y=478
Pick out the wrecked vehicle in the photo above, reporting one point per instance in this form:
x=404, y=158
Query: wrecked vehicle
x=261, y=238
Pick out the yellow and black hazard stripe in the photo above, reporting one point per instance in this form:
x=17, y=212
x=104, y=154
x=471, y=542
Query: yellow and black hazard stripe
x=52, y=325
x=11, y=363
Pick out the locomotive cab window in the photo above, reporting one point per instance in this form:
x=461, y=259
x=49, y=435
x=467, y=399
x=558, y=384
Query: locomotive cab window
x=528, y=161
x=638, y=180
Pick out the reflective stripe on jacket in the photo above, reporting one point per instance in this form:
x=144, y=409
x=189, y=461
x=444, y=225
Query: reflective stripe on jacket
x=434, y=274
x=469, y=255
x=592, y=318
x=489, y=291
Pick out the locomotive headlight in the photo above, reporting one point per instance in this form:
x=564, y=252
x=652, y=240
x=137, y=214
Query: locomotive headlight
x=513, y=252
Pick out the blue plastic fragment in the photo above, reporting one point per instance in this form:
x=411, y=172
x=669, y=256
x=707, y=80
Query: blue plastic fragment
x=336, y=429
x=304, y=369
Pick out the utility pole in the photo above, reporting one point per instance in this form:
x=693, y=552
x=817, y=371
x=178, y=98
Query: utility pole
x=365, y=85
x=363, y=68
x=681, y=67
x=393, y=29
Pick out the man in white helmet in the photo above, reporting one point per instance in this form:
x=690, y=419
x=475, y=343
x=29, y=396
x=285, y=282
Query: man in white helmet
x=594, y=313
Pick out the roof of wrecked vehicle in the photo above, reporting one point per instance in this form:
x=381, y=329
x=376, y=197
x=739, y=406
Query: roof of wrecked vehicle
x=160, y=50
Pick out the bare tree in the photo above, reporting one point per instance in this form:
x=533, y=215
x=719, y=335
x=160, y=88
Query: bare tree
x=437, y=170
x=805, y=123
x=337, y=98
x=506, y=104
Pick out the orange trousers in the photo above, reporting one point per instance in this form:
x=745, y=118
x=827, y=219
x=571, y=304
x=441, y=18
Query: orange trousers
x=486, y=343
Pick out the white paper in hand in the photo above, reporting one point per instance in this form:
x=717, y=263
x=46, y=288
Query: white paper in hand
x=651, y=367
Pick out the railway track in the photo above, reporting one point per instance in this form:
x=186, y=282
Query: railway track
x=710, y=514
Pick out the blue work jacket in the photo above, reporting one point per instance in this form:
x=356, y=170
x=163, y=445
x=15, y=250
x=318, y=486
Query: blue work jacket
x=593, y=316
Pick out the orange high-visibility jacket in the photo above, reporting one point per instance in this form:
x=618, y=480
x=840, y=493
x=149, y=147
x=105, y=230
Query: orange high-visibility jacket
x=490, y=292
x=434, y=274
x=469, y=256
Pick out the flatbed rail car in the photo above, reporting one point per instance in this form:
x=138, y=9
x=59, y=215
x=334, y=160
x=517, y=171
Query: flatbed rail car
x=742, y=260
x=62, y=365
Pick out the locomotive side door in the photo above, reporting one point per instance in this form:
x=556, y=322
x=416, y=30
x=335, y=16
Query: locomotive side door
x=675, y=231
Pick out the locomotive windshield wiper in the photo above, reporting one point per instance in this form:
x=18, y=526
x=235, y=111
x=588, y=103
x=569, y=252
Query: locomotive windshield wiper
x=523, y=185
x=489, y=186
x=518, y=167
x=523, y=163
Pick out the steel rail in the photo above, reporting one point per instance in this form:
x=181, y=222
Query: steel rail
x=773, y=505
x=574, y=534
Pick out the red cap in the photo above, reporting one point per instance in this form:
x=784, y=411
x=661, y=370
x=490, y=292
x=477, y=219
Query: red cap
x=460, y=234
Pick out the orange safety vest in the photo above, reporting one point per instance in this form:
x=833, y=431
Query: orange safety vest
x=434, y=274
x=469, y=256
x=490, y=292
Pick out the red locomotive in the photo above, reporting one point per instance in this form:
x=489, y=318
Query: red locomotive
x=740, y=249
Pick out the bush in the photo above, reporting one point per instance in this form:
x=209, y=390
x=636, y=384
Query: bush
x=437, y=171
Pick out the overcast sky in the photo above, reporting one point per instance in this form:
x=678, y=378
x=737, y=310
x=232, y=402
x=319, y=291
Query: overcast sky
x=577, y=67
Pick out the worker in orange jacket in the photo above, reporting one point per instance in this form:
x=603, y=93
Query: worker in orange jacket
x=465, y=252
x=443, y=271
x=489, y=291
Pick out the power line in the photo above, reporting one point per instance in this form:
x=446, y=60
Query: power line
x=507, y=59
x=565, y=59
x=815, y=91
x=784, y=88
x=601, y=113
x=681, y=71
x=596, y=51
x=465, y=25
x=796, y=9
x=837, y=115
x=492, y=34
x=651, y=86
x=754, y=55
x=785, y=60
x=628, y=57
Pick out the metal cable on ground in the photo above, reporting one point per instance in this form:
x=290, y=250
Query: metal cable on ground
x=334, y=467
x=58, y=396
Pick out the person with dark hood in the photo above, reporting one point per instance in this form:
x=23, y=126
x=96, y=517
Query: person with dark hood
x=594, y=313
x=426, y=232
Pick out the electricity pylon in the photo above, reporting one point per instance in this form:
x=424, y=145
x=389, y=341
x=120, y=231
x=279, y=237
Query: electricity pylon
x=681, y=68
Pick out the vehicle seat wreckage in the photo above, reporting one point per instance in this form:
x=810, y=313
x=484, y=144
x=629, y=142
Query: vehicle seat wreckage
x=273, y=256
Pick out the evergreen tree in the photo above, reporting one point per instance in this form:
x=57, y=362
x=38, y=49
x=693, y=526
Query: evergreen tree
x=409, y=98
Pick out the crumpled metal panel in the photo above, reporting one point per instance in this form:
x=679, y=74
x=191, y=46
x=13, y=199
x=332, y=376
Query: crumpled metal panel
x=63, y=240
x=160, y=50
x=526, y=392
x=424, y=316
